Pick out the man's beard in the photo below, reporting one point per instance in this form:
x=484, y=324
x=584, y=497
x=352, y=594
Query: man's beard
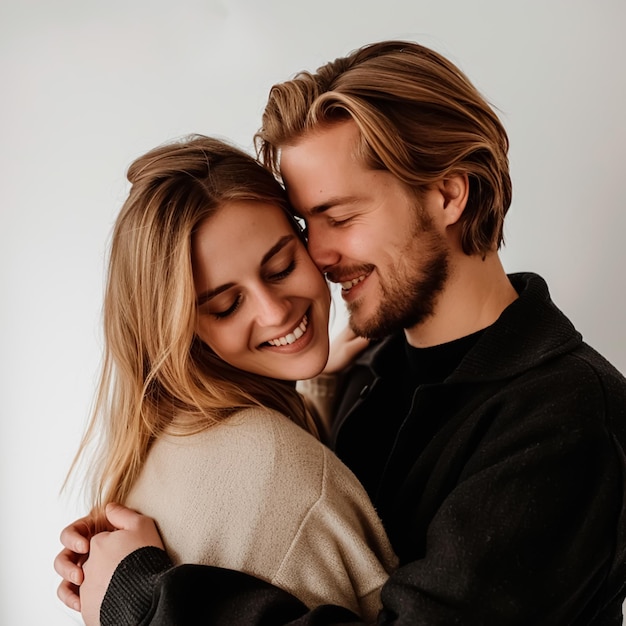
x=409, y=293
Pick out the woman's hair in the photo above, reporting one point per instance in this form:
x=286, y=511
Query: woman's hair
x=419, y=117
x=155, y=367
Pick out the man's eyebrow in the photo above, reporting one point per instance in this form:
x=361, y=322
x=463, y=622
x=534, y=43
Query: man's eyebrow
x=319, y=209
x=205, y=296
x=330, y=203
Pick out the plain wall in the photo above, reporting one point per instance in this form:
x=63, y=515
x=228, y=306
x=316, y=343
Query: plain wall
x=87, y=87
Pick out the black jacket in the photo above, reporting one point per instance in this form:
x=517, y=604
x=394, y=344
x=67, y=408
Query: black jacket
x=502, y=489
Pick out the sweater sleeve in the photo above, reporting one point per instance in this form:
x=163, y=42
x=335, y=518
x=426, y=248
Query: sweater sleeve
x=144, y=590
x=319, y=394
x=132, y=586
x=347, y=554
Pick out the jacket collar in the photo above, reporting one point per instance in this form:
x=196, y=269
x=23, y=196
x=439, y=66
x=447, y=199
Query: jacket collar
x=530, y=331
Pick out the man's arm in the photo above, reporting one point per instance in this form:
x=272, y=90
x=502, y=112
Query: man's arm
x=526, y=534
x=508, y=546
x=146, y=589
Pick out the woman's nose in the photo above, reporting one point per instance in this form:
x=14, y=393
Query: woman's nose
x=272, y=308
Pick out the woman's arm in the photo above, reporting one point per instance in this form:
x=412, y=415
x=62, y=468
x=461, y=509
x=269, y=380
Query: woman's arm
x=319, y=393
x=343, y=350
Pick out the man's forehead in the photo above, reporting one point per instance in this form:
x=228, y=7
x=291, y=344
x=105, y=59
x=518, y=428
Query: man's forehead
x=336, y=140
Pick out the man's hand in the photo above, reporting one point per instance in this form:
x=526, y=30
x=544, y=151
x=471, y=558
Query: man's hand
x=343, y=350
x=107, y=550
x=68, y=563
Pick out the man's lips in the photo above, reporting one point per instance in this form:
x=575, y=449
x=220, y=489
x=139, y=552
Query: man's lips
x=346, y=285
x=349, y=274
x=349, y=279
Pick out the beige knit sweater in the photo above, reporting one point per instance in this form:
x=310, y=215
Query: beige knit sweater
x=260, y=495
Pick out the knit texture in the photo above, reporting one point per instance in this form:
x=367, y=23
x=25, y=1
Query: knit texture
x=260, y=495
x=132, y=586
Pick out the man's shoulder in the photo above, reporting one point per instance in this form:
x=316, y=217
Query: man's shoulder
x=590, y=358
x=583, y=368
x=579, y=393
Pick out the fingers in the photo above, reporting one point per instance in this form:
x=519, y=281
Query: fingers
x=75, y=539
x=67, y=564
x=76, y=536
x=346, y=334
x=343, y=350
x=122, y=517
x=358, y=343
x=68, y=594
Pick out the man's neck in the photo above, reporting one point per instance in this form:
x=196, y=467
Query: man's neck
x=476, y=293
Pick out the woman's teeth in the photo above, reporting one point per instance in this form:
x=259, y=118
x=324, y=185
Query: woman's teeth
x=293, y=336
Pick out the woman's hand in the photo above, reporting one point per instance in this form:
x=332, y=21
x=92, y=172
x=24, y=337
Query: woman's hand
x=68, y=563
x=108, y=549
x=343, y=350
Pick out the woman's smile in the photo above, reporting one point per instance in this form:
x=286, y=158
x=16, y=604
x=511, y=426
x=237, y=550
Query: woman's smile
x=264, y=309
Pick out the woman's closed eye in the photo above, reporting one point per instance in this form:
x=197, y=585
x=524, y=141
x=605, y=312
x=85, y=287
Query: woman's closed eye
x=228, y=311
x=282, y=274
x=275, y=277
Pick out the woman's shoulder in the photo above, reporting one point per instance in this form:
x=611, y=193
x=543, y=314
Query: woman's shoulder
x=253, y=428
x=255, y=445
x=258, y=469
x=284, y=450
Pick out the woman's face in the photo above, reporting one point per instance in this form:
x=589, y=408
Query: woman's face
x=263, y=306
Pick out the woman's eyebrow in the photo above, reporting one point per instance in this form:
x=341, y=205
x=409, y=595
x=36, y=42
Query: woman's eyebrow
x=205, y=296
x=276, y=248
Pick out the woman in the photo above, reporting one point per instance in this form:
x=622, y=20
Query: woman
x=212, y=309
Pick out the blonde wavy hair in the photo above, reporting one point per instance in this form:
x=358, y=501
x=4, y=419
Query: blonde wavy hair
x=419, y=117
x=155, y=368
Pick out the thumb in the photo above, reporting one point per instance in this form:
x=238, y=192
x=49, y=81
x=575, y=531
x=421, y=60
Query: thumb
x=358, y=344
x=121, y=517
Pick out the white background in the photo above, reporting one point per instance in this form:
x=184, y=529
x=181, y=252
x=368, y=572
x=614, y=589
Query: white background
x=88, y=86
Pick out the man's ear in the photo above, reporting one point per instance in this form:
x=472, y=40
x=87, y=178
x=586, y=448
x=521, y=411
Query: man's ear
x=455, y=192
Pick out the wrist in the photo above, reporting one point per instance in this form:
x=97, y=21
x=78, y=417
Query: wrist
x=128, y=598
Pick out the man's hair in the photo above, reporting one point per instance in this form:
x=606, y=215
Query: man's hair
x=419, y=117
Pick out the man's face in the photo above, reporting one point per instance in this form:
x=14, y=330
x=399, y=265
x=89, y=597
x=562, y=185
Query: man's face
x=367, y=231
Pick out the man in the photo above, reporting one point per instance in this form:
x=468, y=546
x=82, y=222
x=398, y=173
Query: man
x=490, y=438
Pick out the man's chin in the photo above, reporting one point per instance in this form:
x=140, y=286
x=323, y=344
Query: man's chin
x=357, y=321
x=371, y=325
x=378, y=325
x=364, y=327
